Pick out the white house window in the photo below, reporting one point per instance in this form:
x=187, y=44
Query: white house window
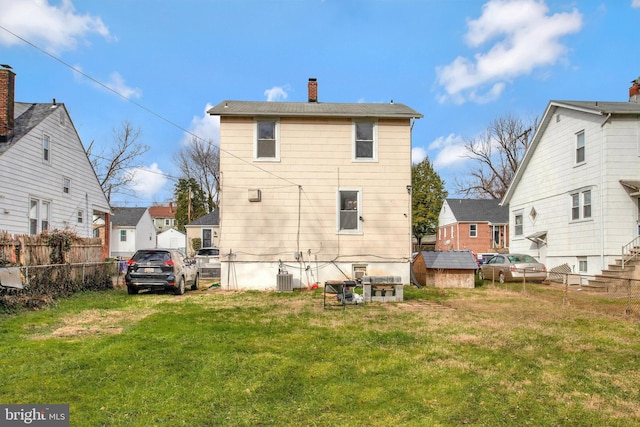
x=66, y=185
x=46, y=148
x=80, y=217
x=166, y=221
x=267, y=147
x=580, y=149
x=519, y=224
x=349, y=210
x=473, y=230
x=365, y=145
x=581, y=205
x=582, y=265
x=39, y=213
x=123, y=235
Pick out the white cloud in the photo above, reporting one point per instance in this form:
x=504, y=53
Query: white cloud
x=525, y=37
x=450, y=151
x=147, y=180
x=57, y=27
x=205, y=127
x=117, y=84
x=635, y=3
x=276, y=93
x=418, y=154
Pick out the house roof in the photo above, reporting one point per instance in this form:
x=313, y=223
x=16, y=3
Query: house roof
x=127, y=217
x=28, y=116
x=482, y=210
x=212, y=218
x=604, y=109
x=315, y=109
x=452, y=260
x=162, y=211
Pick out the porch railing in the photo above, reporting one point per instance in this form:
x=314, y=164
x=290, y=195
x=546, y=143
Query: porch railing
x=630, y=250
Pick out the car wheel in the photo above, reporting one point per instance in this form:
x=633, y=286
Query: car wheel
x=196, y=282
x=501, y=277
x=132, y=290
x=180, y=288
x=480, y=275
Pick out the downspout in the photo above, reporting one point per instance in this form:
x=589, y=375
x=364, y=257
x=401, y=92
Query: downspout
x=410, y=192
x=602, y=192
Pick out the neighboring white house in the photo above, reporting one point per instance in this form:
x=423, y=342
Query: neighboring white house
x=322, y=190
x=46, y=179
x=172, y=239
x=131, y=229
x=574, y=198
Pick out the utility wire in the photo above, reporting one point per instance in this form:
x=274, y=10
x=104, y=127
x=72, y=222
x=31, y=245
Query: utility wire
x=139, y=105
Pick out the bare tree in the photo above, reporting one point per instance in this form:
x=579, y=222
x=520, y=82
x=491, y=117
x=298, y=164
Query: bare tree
x=113, y=168
x=496, y=155
x=200, y=160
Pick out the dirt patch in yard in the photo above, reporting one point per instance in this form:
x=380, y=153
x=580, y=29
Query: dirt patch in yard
x=94, y=323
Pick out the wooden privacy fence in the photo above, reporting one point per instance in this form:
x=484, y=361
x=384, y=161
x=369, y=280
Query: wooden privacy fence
x=30, y=250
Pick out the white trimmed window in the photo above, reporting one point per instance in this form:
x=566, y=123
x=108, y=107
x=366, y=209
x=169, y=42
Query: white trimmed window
x=365, y=141
x=473, y=230
x=581, y=205
x=46, y=148
x=349, y=213
x=580, y=148
x=582, y=265
x=80, y=217
x=39, y=214
x=66, y=185
x=519, y=224
x=123, y=235
x=267, y=147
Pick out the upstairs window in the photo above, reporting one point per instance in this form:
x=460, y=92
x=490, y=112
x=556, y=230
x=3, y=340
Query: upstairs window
x=519, y=224
x=365, y=146
x=267, y=147
x=349, y=211
x=580, y=149
x=473, y=230
x=46, y=148
x=123, y=235
x=581, y=205
x=80, y=217
x=66, y=185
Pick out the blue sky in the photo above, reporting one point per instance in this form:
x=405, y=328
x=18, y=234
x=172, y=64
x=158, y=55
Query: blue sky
x=461, y=63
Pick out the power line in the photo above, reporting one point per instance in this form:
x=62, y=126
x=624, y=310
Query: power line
x=139, y=105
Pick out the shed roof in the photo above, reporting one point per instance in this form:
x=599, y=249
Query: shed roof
x=451, y=260
x=314, y=109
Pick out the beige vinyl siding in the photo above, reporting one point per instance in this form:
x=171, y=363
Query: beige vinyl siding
x=316, y=155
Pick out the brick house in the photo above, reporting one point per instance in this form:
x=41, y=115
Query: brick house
x=480, y=226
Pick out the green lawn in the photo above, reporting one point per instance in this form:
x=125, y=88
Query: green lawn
x=486, y=357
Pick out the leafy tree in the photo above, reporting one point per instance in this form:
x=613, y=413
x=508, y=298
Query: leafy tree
x=190, y=200
x=496, y=154
x=113, y=168
x=427, y=196
x=200, y=160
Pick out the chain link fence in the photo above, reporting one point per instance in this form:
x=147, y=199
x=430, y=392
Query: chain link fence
x=611, y=295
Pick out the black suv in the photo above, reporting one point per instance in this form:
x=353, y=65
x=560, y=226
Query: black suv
x=161, y=269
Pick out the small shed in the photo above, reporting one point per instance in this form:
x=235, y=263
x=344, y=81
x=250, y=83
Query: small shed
x=447, y=269
x=172, y=239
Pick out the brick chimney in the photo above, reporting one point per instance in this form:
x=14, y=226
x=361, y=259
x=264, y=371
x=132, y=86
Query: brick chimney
x=7, y=100
x=313, y=90
x=634, y=91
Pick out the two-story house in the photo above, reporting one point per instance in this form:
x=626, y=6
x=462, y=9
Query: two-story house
x=164, y=217
x=477, y=225
x=321, y=190
x=46, y=179
x=574, y=198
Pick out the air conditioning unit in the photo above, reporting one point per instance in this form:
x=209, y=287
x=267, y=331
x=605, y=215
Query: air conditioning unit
x=285, y=283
